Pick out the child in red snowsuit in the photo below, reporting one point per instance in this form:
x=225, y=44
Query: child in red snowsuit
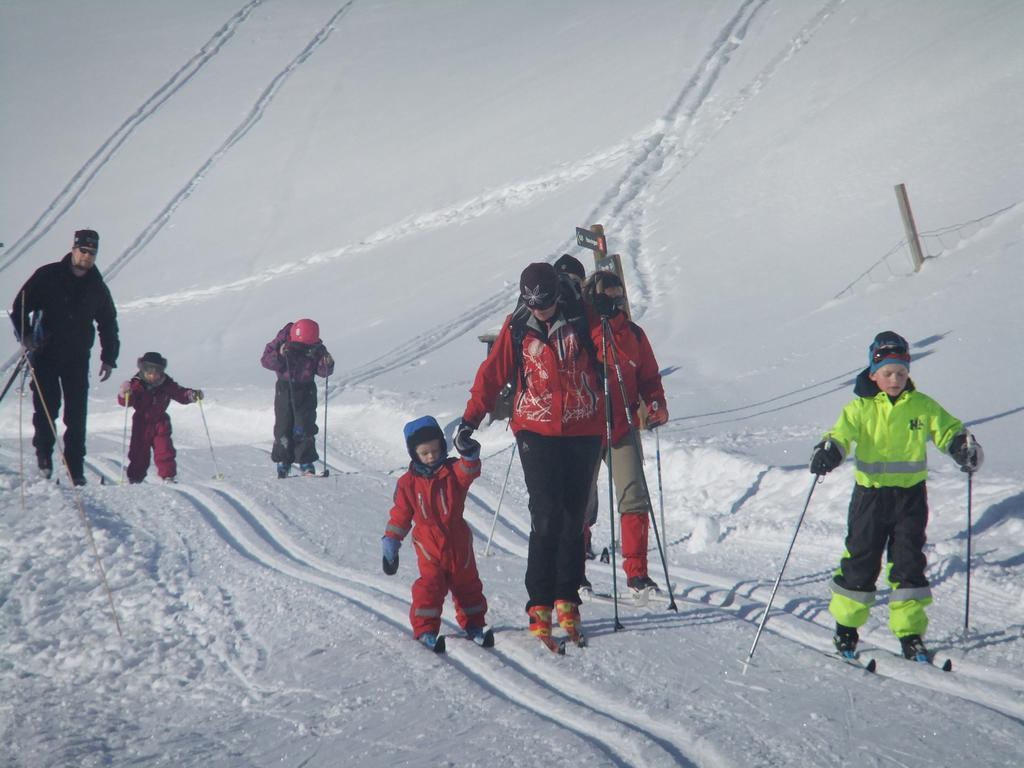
x=149, y=392
x=429, y=500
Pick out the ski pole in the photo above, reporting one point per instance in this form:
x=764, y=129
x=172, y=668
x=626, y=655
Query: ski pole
x=661, y=493
x=327, y=472
x=14, y=374
x=202, y=413
x=771, y=597
x=78, y=498
x=497, y=511
x=967, y=594
x=608, y=454
x=643, y=477
x=21, y=438
x=124, y=435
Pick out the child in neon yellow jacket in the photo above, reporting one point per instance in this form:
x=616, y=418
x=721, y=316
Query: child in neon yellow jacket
x=891, y=423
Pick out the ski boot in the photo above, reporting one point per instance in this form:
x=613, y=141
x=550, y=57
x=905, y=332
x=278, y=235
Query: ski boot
x=307, y=470
x=172, y=480
x=45, y=466
x=283, y=468
x=569, y=620
x=845, y=640
x=540, y=627
x=482, y=636
x=915, y=649
x=433, y=641
x=642, y=587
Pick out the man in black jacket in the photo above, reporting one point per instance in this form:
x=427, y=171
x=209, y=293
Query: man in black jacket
x=54, y=315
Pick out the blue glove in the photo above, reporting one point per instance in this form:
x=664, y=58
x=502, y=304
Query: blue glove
x=390, y=547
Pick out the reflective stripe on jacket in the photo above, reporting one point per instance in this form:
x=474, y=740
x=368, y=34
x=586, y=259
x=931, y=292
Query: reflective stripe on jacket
x=892, y=438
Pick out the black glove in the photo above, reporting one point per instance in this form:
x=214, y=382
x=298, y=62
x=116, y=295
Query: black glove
x=966, y=452
x=464, y=442
x=604, y=304
x=825, y=458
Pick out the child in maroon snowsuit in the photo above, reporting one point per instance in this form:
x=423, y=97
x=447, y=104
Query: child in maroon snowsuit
x=149, y=392
x=429, y=500
x=296, y=354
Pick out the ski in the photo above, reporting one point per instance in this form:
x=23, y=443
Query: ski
x=578, y=639
x=868, y=665
x=628, y=599
x=931, y=661
x=482, y=636
x=555, y=645
x=946, y=666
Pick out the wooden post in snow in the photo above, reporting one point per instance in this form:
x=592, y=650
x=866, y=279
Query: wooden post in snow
x=910, y=226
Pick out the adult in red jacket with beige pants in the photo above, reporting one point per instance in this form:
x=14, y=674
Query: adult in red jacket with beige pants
x=642, y=381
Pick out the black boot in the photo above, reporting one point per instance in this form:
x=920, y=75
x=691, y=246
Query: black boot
x=914, y=648
x=845, y=640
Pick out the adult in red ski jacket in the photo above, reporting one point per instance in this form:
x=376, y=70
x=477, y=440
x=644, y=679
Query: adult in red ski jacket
x=642, y=381
x=429, y=500
x=545, y=350
x=150, y=392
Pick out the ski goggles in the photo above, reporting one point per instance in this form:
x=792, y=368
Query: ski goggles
x=890, y=351
x=152, y=368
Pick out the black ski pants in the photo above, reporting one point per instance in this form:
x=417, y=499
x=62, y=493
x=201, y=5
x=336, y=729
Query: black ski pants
x=558, y=473
x=294, y=423
x=888, y=521
x=57, y=376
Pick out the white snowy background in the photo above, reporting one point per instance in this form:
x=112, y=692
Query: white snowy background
x=388, y=168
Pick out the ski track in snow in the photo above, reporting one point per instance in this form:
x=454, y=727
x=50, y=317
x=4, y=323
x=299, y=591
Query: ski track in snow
x=84, y=176
x=507, y=672
x=650, y=155
x=248, y=528
x=251, y=119
x=676, y=148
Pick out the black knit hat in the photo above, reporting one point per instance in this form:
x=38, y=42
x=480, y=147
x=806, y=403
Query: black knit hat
x=888, y=347
x=538, y=285
x=152, y=359
x=87, y=238
x=570, y=265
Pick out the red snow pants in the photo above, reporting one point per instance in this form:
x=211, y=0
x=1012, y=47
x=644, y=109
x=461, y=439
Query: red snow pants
x=152, y=436
x=437, y=579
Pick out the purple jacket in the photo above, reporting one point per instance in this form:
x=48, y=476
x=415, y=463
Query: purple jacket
x=300, y=362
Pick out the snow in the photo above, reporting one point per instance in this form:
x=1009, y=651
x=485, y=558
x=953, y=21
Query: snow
x=389, y=168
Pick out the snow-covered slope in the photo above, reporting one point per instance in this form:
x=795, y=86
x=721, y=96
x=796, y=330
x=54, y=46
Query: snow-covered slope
x=388, y=168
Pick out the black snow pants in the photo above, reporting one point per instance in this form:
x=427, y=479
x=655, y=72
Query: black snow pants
x=559, y=472
x=294, y=423
x=57, y=376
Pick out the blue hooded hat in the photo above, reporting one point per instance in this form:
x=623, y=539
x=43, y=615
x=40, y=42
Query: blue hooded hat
x=422, y=430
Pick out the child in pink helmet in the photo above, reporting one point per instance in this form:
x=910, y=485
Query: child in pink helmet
x=296, y=354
